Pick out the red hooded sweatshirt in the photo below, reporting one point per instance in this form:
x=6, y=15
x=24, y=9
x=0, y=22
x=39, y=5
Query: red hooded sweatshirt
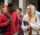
x=14, y=25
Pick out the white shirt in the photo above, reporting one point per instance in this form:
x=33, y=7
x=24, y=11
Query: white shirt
x=35, y=25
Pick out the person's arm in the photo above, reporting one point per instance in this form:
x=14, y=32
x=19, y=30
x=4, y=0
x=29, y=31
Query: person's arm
x=34, y=25
x=24, y=27
x=17, y=23
x=4, y=23
x=38, y=22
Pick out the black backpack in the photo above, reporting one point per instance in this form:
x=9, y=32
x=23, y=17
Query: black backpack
x=3, y=29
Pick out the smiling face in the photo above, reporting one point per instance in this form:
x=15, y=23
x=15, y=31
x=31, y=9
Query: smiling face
x=18, y=11
x=28, y=10
x=4, y=8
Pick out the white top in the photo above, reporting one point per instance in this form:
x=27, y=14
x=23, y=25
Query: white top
x=35, y=25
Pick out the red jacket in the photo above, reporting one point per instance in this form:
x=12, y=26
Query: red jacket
x=14, y=25
x=3, y=20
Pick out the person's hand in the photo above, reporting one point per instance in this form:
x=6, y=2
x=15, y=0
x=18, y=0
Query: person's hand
x=28, y=26
x=9, y=21
x=29, y=20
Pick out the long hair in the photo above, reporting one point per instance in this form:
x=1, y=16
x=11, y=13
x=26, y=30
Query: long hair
x=33, y=18
x=33, y=10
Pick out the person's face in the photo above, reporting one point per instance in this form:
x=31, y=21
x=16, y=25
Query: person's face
x=9, y=9
x=28, y=10
x=12, y=9
x=18, y=11
x=4, y=7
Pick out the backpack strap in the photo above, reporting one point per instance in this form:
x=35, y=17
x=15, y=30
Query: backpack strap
x=8, y=18
x=7, y=15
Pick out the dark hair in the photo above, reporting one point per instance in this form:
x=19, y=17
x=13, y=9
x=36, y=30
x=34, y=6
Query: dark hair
x=20, y=9
x=33, y=3
x=11, y=4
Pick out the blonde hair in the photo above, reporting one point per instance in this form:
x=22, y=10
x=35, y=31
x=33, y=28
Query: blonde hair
x=33, y=10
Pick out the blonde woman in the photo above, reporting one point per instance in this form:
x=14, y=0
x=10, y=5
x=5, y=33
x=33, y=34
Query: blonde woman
x=30, y=22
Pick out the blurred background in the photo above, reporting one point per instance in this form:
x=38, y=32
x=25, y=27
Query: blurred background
x=22, y=3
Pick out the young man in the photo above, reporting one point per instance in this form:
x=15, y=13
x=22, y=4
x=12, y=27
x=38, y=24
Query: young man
x=19, y=11
x=3, y=22
x=14, y=25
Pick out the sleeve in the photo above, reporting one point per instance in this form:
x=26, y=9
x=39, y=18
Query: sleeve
x=34, y=25
x=38, y=22
x=4, y=23
x=23, y=27
x=17, y=24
